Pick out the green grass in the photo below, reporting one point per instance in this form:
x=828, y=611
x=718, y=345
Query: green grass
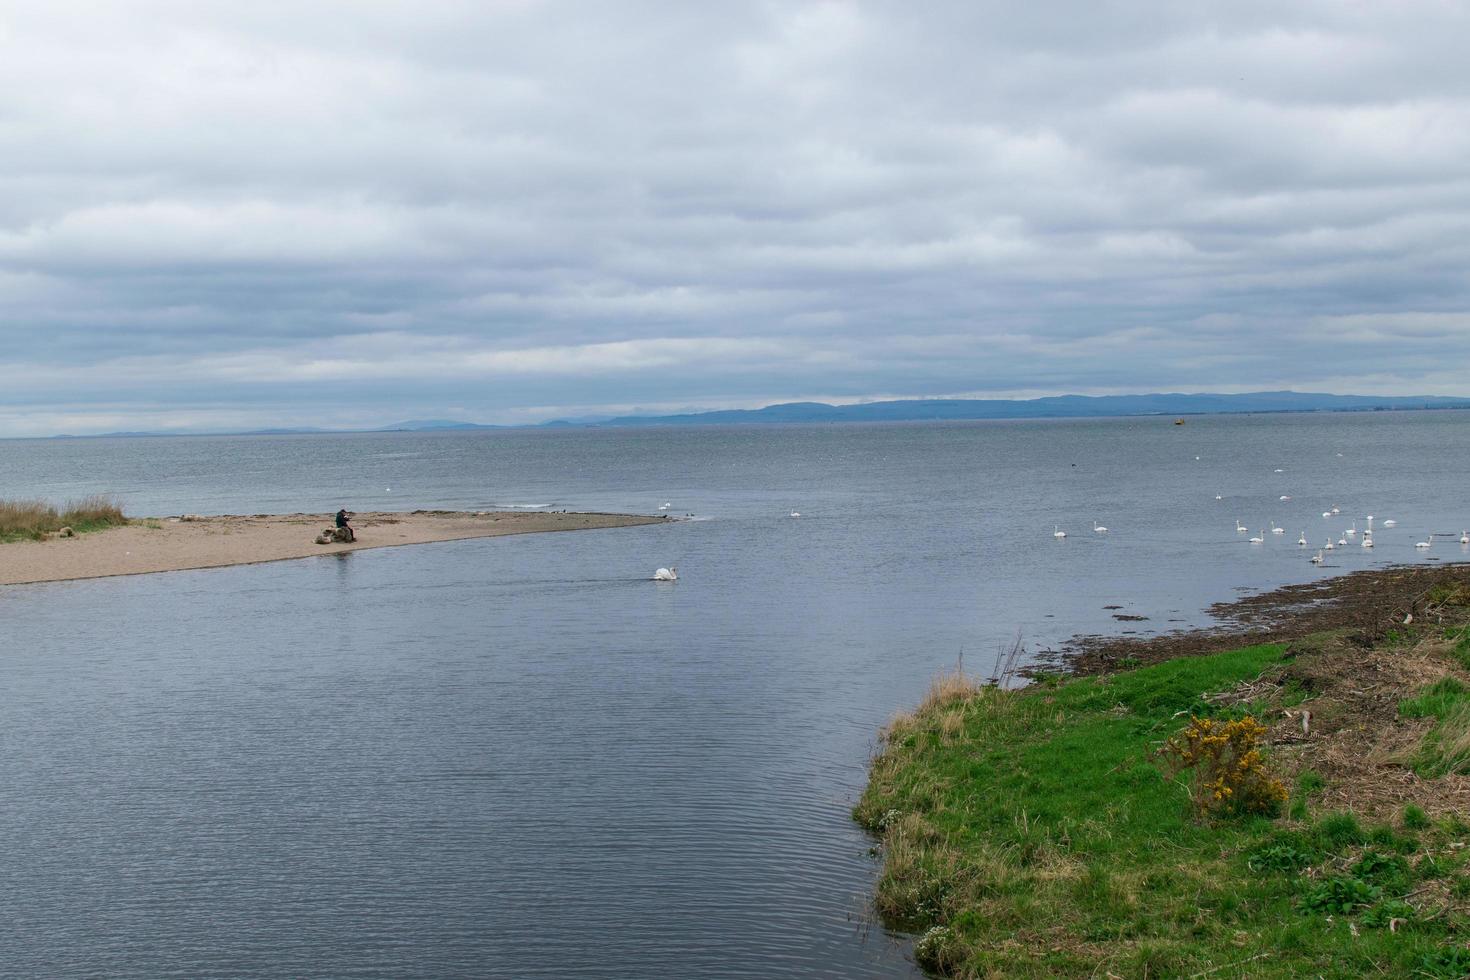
x=1446, y=748
x=22, y=520
x=1032, y=834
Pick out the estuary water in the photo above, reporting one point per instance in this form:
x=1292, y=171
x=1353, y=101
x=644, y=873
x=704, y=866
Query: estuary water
x=518, y=757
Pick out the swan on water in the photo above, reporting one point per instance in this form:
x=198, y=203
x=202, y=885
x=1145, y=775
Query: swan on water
x=1327, y=513
x=1352, y=532
x=1424, y=544
x=1317, y=558
x=1218, y=497
x=1302, y=541
x=1337, y=510
x=1367, y=541
x=1465, y=537
x=1329, y=545
x=670, y=574
x=1342, y=540
x=1056, y=532
x=1259, y=540
x=1277, y=530
x=1285, y=496
x=1390, y=523
x=1098, y=527
x=1239, y=526
x=665, y=505
x=1278, y=471
x=795, y=513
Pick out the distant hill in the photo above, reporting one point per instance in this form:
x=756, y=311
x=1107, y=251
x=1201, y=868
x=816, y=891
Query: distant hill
x=1059, y=407
x=932, y=409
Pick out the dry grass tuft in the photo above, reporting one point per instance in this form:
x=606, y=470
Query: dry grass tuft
x=36, y=518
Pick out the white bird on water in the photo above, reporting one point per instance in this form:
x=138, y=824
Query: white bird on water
x=1098, y=527
x=1277, y=530
x=1239, y=527
x=1327, y=513
x=1367, y=541
x=1465, y=537
x=795, y=514
x=665, y=505
x=1259, y=540
x=1285, y=496
x=1390, y=523
x=1056, y=532
x=1302, y=541
x=1317, y=558
x=1424, y=544
x=670, y=574
x=1352, y=532
x=1329, y=546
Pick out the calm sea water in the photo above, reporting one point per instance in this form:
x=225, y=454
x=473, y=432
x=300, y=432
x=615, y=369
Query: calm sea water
x=520, y=758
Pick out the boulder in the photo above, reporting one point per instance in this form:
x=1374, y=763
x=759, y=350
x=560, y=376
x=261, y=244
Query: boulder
x=335, y=535
x=66, y=532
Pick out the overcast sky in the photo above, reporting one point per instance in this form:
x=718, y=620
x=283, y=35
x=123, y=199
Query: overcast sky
x=224, y=215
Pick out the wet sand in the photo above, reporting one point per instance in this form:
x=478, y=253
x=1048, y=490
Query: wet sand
x=167, y=544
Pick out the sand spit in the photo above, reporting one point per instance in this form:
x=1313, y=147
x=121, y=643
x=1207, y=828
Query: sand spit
x=167, y=544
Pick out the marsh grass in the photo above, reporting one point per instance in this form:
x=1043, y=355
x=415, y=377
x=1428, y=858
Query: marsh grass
x=34, y=519
x=1032, y=833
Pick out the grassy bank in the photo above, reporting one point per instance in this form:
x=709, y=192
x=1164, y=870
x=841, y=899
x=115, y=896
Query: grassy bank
x=1040, y=832
x=22, y=520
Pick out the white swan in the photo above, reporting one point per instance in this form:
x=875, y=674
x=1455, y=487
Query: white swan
x=795, y=514
x=1259, y=540
x=1424, y=544
x=1352, y=532
x=1337, y=510
x=670, y=574
x=1342, y=540
x=1317, y=558
x=1329, y=546
x=1098, y=527
x=1367, y=541
x=1277, y=530
x=1302, y=541
x=665, y=505
x=1239, y=527
x=1285, y=497
x=1390, y=523
x=1327, y=513
x=1218, y=497
x=1465, y=537
x=1057, y=533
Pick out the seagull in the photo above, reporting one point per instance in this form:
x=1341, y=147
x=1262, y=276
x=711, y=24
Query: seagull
x=670, y=574
x=1057, y=533
x=1098, y=527
x=1424, y=544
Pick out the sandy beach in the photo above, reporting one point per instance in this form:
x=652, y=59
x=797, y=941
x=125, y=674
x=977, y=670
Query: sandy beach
x=167, y=544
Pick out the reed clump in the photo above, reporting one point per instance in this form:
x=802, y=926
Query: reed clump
x=35, y=519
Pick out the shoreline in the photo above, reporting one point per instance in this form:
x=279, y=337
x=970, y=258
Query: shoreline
x=145, y=546
x=1281, y=796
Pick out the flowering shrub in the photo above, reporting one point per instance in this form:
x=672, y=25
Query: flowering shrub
x=1229, y=774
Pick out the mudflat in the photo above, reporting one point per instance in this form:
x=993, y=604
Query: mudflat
x=166, y=544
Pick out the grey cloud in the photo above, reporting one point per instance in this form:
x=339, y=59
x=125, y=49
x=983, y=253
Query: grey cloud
x=348, y=211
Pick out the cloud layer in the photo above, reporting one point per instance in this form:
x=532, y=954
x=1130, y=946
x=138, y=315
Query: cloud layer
x=348, y=213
